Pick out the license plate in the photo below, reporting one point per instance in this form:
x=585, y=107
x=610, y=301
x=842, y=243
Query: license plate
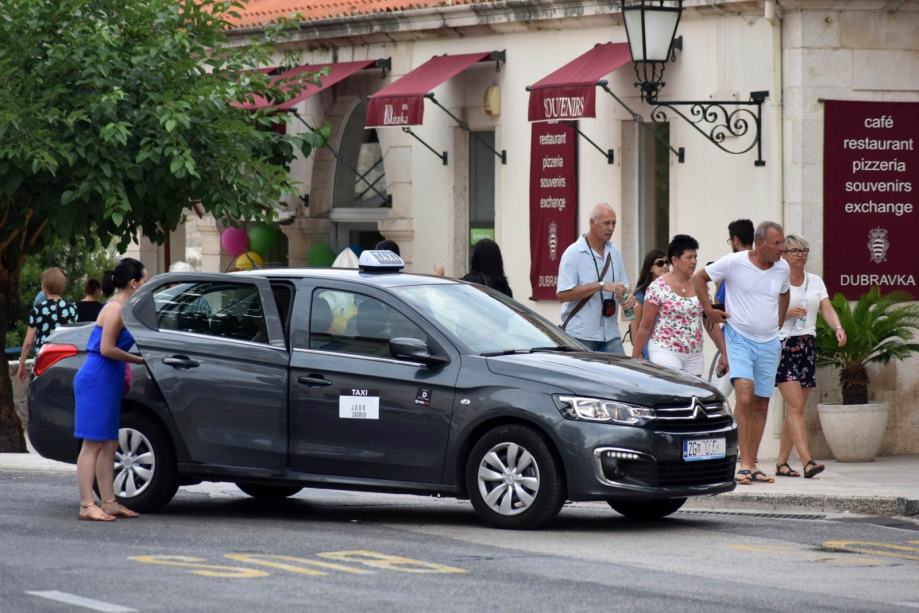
x=703, y=449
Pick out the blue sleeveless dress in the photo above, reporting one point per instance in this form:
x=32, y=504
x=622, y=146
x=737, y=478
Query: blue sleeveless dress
x=98, y=388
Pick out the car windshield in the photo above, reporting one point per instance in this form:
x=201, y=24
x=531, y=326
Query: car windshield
x=485, y=322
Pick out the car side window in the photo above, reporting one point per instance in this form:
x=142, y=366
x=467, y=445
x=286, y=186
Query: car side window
x=228, y=310
x=347, y=322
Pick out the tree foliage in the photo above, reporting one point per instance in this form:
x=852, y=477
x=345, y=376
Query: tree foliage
x=115, y=116
x=880, y=329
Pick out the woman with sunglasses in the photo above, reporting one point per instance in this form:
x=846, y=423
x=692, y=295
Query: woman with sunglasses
x=672, y=322
x=798, y=362
x=654, y=266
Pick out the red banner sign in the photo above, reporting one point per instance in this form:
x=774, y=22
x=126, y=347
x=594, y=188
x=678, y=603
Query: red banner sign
x=870, y=217
x=553, y=202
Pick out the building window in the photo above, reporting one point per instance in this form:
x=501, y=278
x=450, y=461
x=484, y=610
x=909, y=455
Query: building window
x=481, y=186
x=653, y=186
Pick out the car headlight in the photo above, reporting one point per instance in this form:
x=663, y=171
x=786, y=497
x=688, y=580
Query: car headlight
x=597, y=409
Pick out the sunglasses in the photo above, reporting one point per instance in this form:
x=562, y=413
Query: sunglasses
x=798, y=251
x=661, y=263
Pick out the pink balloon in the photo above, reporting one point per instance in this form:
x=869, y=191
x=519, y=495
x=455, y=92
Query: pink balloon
x=234, y=241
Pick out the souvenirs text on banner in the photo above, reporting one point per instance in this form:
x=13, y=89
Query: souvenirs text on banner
x=553, y=202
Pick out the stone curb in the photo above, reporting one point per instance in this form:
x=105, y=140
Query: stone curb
x=867, y=505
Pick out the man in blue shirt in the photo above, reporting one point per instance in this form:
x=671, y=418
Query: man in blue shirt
x=591, y=278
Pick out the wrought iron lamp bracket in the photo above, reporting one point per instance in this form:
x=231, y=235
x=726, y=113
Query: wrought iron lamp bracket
x=719, y=120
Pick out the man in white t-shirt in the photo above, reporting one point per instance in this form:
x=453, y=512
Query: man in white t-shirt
x=755, y=309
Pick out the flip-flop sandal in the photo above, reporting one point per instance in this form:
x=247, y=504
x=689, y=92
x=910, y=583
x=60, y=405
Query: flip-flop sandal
x=758, y=476
x=743, y=477
x=812, y=468
x=791, y=472
x=92, y=515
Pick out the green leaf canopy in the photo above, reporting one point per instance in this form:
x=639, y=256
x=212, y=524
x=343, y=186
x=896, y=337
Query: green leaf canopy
x=115, y=116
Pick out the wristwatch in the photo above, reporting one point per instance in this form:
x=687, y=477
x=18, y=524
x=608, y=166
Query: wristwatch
x=600, y=285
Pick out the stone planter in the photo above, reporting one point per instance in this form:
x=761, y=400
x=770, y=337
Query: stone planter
x=854, y=431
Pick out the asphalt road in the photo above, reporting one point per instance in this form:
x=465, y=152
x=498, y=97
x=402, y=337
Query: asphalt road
x=215, y=549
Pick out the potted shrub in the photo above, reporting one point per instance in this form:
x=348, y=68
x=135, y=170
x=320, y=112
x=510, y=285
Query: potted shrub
x=879, y=329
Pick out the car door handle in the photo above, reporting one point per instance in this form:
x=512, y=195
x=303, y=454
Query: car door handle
x=180, y=361
x=314, y=381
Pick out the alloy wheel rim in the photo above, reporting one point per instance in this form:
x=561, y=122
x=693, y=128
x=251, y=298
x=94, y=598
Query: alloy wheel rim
x=508, y=479
x=135, y=463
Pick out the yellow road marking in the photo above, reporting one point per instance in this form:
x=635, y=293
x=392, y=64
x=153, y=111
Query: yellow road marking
x=375, y=559
x=205, y=570
x=890, y=550
x=281, y=563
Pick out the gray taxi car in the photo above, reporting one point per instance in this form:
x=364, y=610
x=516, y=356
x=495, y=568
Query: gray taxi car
x=378, y=380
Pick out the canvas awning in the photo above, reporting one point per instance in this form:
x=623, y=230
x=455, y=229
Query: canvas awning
x=570, y=92
x=401, y=103
x=338, y=71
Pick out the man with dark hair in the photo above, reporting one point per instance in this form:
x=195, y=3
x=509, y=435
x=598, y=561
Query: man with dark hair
x=740, y=238
x=740, y=235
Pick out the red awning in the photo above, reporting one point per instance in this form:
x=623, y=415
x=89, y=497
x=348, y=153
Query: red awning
x=570, y=92
x=402, y=103
x=337, y=72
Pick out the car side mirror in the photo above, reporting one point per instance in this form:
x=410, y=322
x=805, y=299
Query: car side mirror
x=414, y=350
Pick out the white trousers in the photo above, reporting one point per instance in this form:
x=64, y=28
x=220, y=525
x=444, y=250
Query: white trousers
x=691, y=363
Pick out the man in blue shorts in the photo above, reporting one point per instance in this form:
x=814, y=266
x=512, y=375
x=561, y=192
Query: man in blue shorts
x=754, y=311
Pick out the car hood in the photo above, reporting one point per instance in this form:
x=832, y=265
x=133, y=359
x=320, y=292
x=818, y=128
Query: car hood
x=605, y=376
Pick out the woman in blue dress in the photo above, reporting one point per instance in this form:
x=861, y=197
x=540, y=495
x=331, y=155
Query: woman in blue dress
x=98, y=388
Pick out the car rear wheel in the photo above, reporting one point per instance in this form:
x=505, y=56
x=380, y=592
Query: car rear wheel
x=146, y=476
x=647, y=509
x=269, y=492
x=512, y=478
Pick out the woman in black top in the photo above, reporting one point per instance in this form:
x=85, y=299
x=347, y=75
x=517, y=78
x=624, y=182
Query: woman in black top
x=487, y=267
x=88, y=308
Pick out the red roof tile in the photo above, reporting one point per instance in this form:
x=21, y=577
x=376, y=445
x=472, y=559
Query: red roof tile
x=260, y=12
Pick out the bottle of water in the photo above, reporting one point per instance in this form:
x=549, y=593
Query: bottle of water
x=801, y=322
x=627, y=314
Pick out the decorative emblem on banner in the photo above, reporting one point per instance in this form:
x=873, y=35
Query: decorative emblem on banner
x=878, y=245
x=553, y=241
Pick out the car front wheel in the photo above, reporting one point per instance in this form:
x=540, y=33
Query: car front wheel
x=512, y=478
x=268, y=492
x=146, y=476
x=647, y=509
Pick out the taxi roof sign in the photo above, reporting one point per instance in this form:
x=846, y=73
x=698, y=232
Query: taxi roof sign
x=380, y=260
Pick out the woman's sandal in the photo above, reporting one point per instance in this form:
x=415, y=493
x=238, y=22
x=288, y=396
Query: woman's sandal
x=788, y=472
x=119, y=509
x=812, y=469
x=758, y=476
x=93, y=512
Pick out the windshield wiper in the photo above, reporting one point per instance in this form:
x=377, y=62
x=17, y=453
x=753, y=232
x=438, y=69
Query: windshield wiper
x=491, y=354
x=555, y=348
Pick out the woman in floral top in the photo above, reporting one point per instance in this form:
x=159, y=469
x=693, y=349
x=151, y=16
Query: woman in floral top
x=671, y=323
x=46, y=315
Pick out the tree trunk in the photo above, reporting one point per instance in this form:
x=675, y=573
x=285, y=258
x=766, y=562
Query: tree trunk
x=854, y=382
x=11, y=434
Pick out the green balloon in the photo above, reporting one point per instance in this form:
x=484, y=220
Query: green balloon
x=320, y=255
x=262, y=238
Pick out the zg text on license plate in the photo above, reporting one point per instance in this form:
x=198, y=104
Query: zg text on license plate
x=703, y=449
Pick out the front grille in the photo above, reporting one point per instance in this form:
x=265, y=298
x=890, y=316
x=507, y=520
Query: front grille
x=704, y=472
x=694, y=417
x=649, y=473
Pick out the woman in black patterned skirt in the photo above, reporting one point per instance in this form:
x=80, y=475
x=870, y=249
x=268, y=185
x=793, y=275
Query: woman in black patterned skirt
x=798, y=364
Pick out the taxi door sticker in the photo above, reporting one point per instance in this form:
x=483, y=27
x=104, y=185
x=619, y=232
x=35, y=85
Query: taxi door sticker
x=359, y=404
